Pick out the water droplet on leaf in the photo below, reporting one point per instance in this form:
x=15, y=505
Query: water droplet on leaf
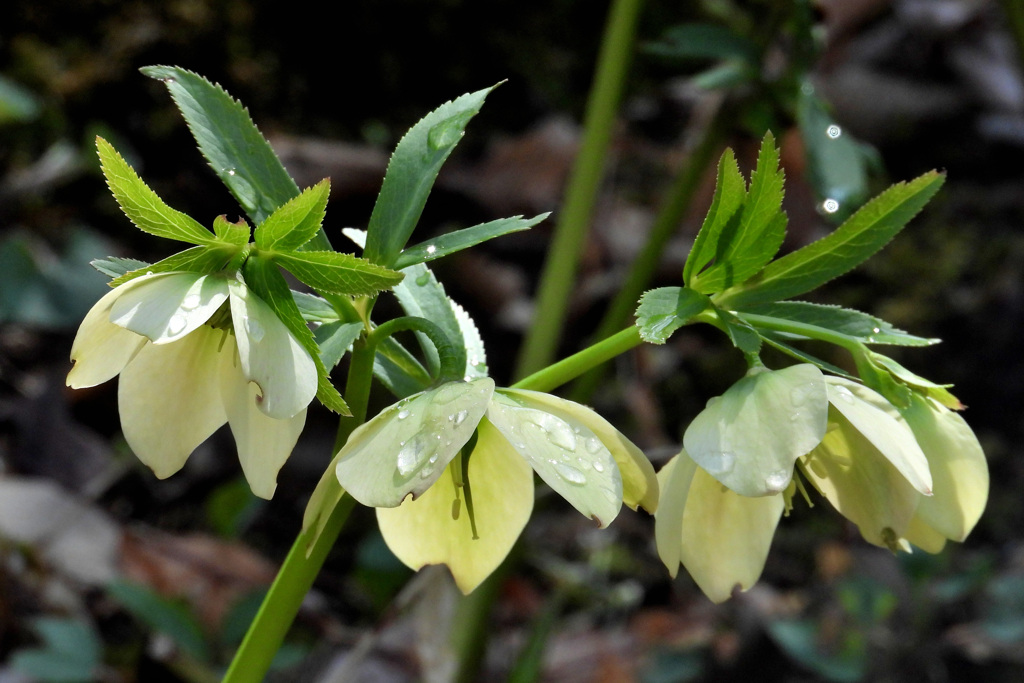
x=777, y=481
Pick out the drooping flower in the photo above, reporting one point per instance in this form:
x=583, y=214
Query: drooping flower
x=185, y=370
x=439, y=504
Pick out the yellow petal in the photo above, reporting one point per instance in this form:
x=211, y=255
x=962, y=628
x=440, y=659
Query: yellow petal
x=639, y=483
x=959, y=471
x=726, y=536
x=924, y=537
x=674, y=481
x=862, y=483
x=423, y=531
x=169, y=400
x=263, y=443
x=101, y=349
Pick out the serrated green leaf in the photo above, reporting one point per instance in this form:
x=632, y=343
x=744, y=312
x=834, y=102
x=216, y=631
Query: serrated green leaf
x=742, y=252
x=296, y=221
x=730, y=193
x=266, y=280
x=663, y=311
x=398, y=370
x=411, y=173
x=463, y=239
x=836, y=162
x=332, y=271
x=743, y=335
x=143, y=207
x=204, y=260
x=163, y=615
x=777, y=341
x=235, y=149
x=334, y=339
x=852, y=243
x=231, y=233
x=315, y=309
x=116, y=266
x=852, y=323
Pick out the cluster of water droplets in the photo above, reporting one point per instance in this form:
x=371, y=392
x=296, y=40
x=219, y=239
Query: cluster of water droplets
x=179, y=320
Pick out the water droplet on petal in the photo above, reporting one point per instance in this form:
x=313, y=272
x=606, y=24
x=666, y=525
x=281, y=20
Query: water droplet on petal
x=177, y=323
x=191, y=302
x=570, y=474
x=845, y=394
x=719, y=462
x=402, y=414
x=412, y=455
x=598, y=466
x=558, y=431
x=777, y=481
x=460, y=417
x=592, y=445
x=254, y=329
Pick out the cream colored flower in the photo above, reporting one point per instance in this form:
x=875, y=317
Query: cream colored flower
x=181, y=378
x=434, y=507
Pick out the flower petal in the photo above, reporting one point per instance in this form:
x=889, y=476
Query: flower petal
x=271, y=356
x=169, y=399
x=639, y=483
x=726, y=536
x=563, y=450
x=405, y=448
x=167, y=306
x=958, y=467
x=425, y=531
x=101, y=349
x=862, y=483
x=674, y=480
x=750, y=437
x=263, y=443
x=868, y=412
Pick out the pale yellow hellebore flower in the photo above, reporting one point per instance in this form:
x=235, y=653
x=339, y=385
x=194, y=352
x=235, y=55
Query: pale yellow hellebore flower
x=181, y=379
x=405, y=462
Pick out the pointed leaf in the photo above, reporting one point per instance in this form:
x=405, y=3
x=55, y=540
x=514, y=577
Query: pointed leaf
x=116, y=266
x=334, y=340
x=776, y=341
x=200, y=260
x=315, y=309
x=235, y=149
x=939, y=392
x=730, y=193
x=146, y=210
x=452, y=242
x=337, y=273
x=411, y=173
x=232, y=233
x=269, y=285
x=851, y=323
x=664, y=310
x=296, y=221
x=852, y=243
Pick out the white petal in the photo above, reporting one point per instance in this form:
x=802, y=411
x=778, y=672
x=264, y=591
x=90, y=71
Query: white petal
x=882, y=425
x=639, y=483
x=674, y=481
x=263, y=443
x=563, y=451
x=101, y=349
x=425, y=531
x=406, y=447
x=726, y=536
x=271, y=356
x=167, y=306
x=169, y=399
x=750, y=437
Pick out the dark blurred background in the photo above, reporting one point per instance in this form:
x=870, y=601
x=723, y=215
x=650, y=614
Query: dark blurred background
x=109, y=573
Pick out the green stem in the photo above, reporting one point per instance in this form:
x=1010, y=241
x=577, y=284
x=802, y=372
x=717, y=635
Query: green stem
x=854, y=346
x=671, y=214
x=571, y=232
x=575, y=365
x=452, y=356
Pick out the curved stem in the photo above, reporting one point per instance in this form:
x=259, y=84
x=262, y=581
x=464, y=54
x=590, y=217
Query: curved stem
x=452, y=356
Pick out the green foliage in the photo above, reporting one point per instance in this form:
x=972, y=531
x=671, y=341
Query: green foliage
x=71, y=652
x=334, y=339
x=414, y=166
x=337, y=273
x=852, y=243
x=296, y=221
x=663, y=311
x=203, y=260
x=452, y=242
x=232, y=233
x=730, y=193
x=865, y=328
x=266, y=280
x=146, y=210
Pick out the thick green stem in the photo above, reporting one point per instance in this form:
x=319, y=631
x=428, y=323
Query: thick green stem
x=559, y=274
x=854, y=346
x=452, y=356
x=575, y=365
x=671, y=214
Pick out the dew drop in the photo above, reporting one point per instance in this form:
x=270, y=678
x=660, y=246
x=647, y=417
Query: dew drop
x=403, y=413
x=777, y=481
x=254, y=329
x=845, y=394
x=230, y=171
x=592, y=445
x=830, y=205
x=558, y=431
x=422, y=280
x=431, y=249
x=718, y=462
x=833, y=131
x=177, y=323
x=191, y=302
x=448, y=393
x=412, y=454
x=598, y=466
x=570, y=474
x=460, y=417
x=875, y=330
